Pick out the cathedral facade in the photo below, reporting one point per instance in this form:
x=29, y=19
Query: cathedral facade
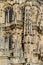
x=21, y=32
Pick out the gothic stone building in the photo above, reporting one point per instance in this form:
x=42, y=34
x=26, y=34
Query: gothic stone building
x=21, y=32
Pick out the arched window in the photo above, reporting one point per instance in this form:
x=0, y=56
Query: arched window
x=23, y=13
x=8, y=15
x=10, y=42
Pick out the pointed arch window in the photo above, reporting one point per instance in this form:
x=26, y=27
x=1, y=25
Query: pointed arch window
x=23, y=13
x=8, y=15
x=10, y=42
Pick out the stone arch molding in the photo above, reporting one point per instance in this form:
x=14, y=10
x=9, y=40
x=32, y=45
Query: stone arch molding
x=6, y=5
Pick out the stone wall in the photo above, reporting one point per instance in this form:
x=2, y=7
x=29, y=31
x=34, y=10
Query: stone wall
x=21, y=32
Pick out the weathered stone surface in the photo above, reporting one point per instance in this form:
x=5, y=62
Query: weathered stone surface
x=21, y=32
